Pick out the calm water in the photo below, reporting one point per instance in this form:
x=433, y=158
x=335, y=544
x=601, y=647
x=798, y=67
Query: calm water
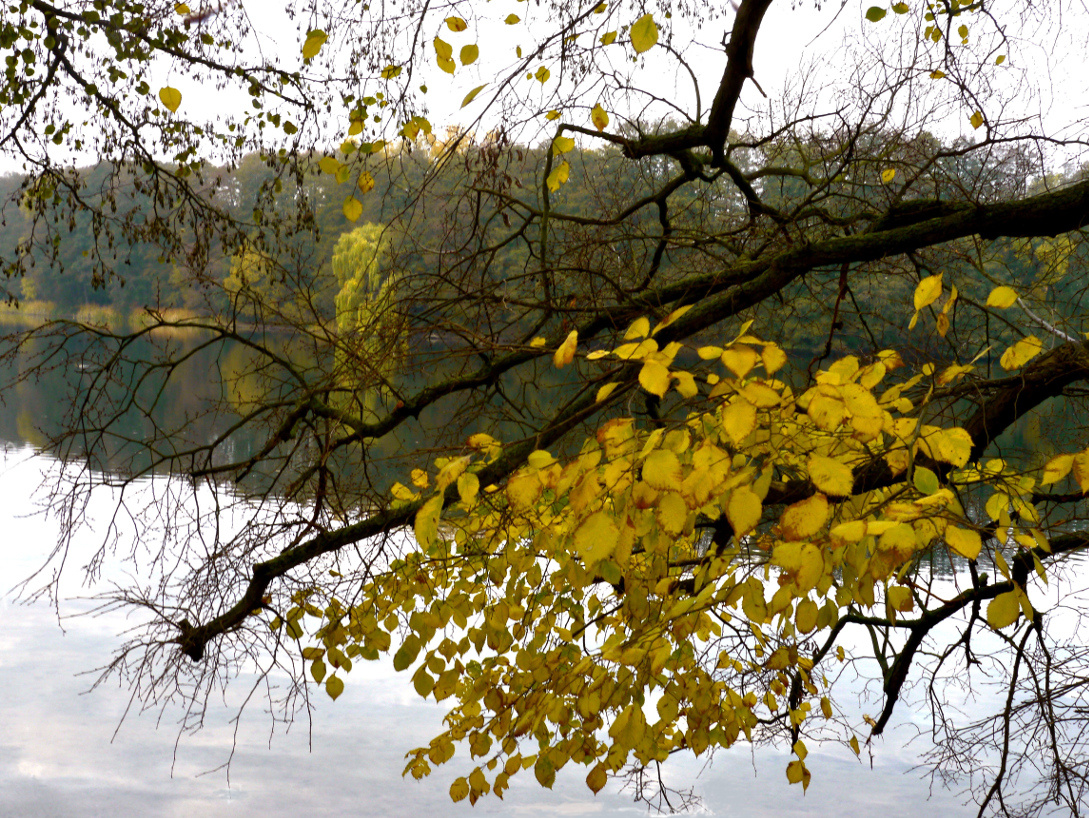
x=67, y=751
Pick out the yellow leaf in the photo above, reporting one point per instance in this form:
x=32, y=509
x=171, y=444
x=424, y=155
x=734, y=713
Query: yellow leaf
x=608, y=38
x=928, y=291
x=390, y=71
x=446, y=64
x=443, y=49
x=672, y=513
x=1003, y=610
x=512, y=19
x=739, y=419
x=334, y=686
x=456, y=24
x=468, y=487
x=899, y=539
x=597, y=777
x=797, y=773
x=953, y=446
x=352, y=208
x=365, y=182
x=654, y=377
x=1057, y=468
x=640, y=328
x=761, y=395
x=459, y=790
x=644, y=33
x=558, y=177
x=805, y=618
x=739, y=359
x=662, y=470
x=686, y=384
x=427, y=522
x=313, y=43
x=522, y=491
x=937, y=74
x=831, y=476
x=542, y=74
x=671, y=318
x=562, y=144
x=1081, y=470
x=805, y=518
x=566, y=351
x=965, y=542
x=888, y=175
x=596, y=538
x=170, y=97
x=1002, y=297
x=1021, y=353
x=976, y=119
x=450, y=472
x=854, y=745
x=849, y=532
x=605, y=391
x=540, y=459
x=743, y=510
x=468, y=56
x=472, y=94
x=899, y=599
x=773, y=358
x=599, y=117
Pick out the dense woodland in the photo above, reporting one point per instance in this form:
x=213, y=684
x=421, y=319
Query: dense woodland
x=416, y=228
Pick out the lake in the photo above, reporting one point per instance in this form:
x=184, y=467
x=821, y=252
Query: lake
x=68, y=750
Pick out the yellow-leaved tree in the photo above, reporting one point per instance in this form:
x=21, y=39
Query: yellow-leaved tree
x=693, y=393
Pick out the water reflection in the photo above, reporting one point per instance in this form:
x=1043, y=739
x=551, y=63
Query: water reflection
x=59, y=755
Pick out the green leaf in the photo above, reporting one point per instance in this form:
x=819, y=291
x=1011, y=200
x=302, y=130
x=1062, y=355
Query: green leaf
x=925, y=481
x=171, y=98
x=901, y=8
x=469, y=54
x=313, y=43
x=644, y=34
x=875, y=13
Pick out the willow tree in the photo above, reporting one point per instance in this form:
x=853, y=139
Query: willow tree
x=730, y=380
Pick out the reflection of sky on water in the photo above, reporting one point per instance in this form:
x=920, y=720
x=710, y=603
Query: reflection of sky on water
x=57, y=756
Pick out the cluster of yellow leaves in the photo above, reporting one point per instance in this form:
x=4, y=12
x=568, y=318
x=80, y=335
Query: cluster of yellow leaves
x=555, y=608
